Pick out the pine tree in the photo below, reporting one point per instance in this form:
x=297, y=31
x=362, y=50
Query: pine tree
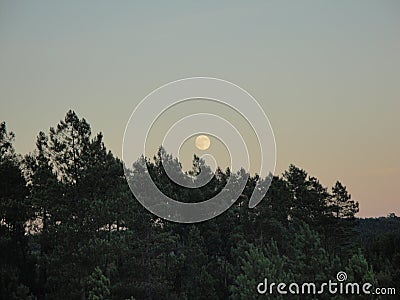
x=256, y=265
x=197, y=281
x=341, y=203
x=340, y=229
x=45, y=191
x=309, y=260
x=98, y=285
x=358, y=269
x=15, y=265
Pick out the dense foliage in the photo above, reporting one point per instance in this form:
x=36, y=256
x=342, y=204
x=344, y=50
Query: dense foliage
x=71, y=229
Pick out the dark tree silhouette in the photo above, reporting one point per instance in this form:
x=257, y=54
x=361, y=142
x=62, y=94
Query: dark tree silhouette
x=70, y=228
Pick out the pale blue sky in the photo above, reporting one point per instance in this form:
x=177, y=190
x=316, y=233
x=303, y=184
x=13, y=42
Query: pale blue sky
x=326, y=73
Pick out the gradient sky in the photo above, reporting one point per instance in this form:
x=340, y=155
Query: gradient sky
x=326, y=73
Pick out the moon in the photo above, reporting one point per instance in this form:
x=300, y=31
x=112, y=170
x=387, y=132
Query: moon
x=202, y=142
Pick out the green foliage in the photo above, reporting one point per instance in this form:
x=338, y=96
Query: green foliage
x=98, y=285
x=359, y=270
x=71, y=229
x=341, y=203
x=15, y=211
x=256, y=264
x=309, y=260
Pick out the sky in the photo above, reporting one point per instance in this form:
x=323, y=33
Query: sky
x=327, y=74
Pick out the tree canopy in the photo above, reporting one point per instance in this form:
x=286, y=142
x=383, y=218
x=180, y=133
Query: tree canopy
x=71, y=229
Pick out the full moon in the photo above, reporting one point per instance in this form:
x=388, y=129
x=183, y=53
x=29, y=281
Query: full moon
x=202, y=142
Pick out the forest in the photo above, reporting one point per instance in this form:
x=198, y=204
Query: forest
x=71, y=229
